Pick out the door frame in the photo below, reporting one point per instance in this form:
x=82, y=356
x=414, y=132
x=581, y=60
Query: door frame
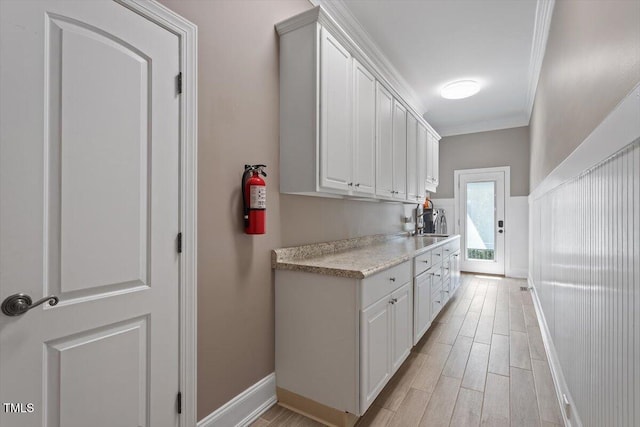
x=187, y=33
x=507, y=196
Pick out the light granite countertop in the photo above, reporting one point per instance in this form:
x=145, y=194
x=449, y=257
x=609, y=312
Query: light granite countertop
x=355, y=258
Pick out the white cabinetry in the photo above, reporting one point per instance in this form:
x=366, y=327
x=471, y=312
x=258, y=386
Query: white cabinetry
x=384, y=142
x=364, y=130
x=412, y=158
x=399, y=151
x=416, y=160
x=432, y=162
x=342, y=133
x=375, y=341
x=422, y=302
x=335, y=118
x=402, y=325
x=421, y=157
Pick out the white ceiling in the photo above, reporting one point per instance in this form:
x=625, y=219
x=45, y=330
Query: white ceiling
x=428, y=43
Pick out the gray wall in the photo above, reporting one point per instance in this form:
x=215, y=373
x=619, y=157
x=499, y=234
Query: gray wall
x=592, y=61
x=239, y=123
x=505, y=147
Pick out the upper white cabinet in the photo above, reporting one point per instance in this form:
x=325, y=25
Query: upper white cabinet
x=384, y=142
x=399, y=151
x=421, y=158
x=412, y=161
x=343, y=128
x=335, y=115
x=432, y=162
x=364, y=130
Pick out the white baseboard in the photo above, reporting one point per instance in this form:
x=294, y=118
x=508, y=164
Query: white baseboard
x=518, y=273
x=570, y=419
x=246, y=407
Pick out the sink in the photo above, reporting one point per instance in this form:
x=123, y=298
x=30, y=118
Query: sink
x=435, y=235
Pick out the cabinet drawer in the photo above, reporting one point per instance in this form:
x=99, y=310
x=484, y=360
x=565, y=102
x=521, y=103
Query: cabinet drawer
x=377, y=286
x=436, y=255
x=422, y=263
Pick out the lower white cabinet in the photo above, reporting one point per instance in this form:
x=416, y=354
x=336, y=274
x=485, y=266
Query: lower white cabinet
x=375, y=340
x=385, y=341
x=401, y=325
x=422, y=303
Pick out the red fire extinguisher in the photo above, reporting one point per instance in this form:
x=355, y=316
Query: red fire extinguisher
x=254, y=199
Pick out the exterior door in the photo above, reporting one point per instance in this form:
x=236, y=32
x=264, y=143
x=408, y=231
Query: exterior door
x=89, y=162
x=481, y=204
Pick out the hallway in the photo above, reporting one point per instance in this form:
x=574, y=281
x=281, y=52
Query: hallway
x=482, y=362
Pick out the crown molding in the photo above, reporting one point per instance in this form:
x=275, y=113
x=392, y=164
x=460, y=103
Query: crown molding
x=508, y=122
x=345, y=19
x=544, y=11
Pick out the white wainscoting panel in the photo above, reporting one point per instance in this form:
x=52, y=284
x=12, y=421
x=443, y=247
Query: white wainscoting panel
x=517, y=230
x=246, y=407
x=585, y=269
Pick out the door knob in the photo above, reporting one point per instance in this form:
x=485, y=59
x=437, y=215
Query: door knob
x=500, y=231
x=18, y=304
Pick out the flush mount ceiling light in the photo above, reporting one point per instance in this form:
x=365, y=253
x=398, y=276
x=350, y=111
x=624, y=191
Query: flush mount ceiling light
x=460, y=89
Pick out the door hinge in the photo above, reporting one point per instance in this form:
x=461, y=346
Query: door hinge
x=179, y=402
x=179, y=241
x=179, y=83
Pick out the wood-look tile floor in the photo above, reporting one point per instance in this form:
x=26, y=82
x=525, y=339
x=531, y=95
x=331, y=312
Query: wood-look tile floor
x=482, y=362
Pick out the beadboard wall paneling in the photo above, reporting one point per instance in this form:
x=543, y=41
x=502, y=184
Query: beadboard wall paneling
x=585, y=242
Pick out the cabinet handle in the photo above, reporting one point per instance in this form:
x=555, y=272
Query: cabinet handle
x=393, y=279
x=395, y=300
x=438, y=302
x=438, y=254
x=447, y=250
x=358, y=184
x=425, y=261
x=350, y=184
x=392, y=302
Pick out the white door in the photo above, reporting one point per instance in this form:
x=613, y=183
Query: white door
x=412, y=158
x=384, y=142
x=335, y=116
x=89, y=213
x=375, y=336
x=481, y=204
x=364, y=130
x=402, y=325
x=399, y=151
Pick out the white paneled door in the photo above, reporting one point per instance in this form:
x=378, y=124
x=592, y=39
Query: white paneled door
x=89, y=182
x=480, y=198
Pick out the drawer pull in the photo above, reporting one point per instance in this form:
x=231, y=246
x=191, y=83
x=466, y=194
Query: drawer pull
x=393, y=300
x=447, y=250
x=438, y=254
x=438, y=302
x=425, y=261
x=393, y=279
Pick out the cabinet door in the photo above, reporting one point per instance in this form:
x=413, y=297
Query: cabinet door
x=399, y=151
x=412, y=158
x=455, y=271
x=375, y=338
x=402, y=325
x=421, y=306
x=436, y=161
x=384, y=142
x=421, y=157
x=335, y=114
x=364, y=130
